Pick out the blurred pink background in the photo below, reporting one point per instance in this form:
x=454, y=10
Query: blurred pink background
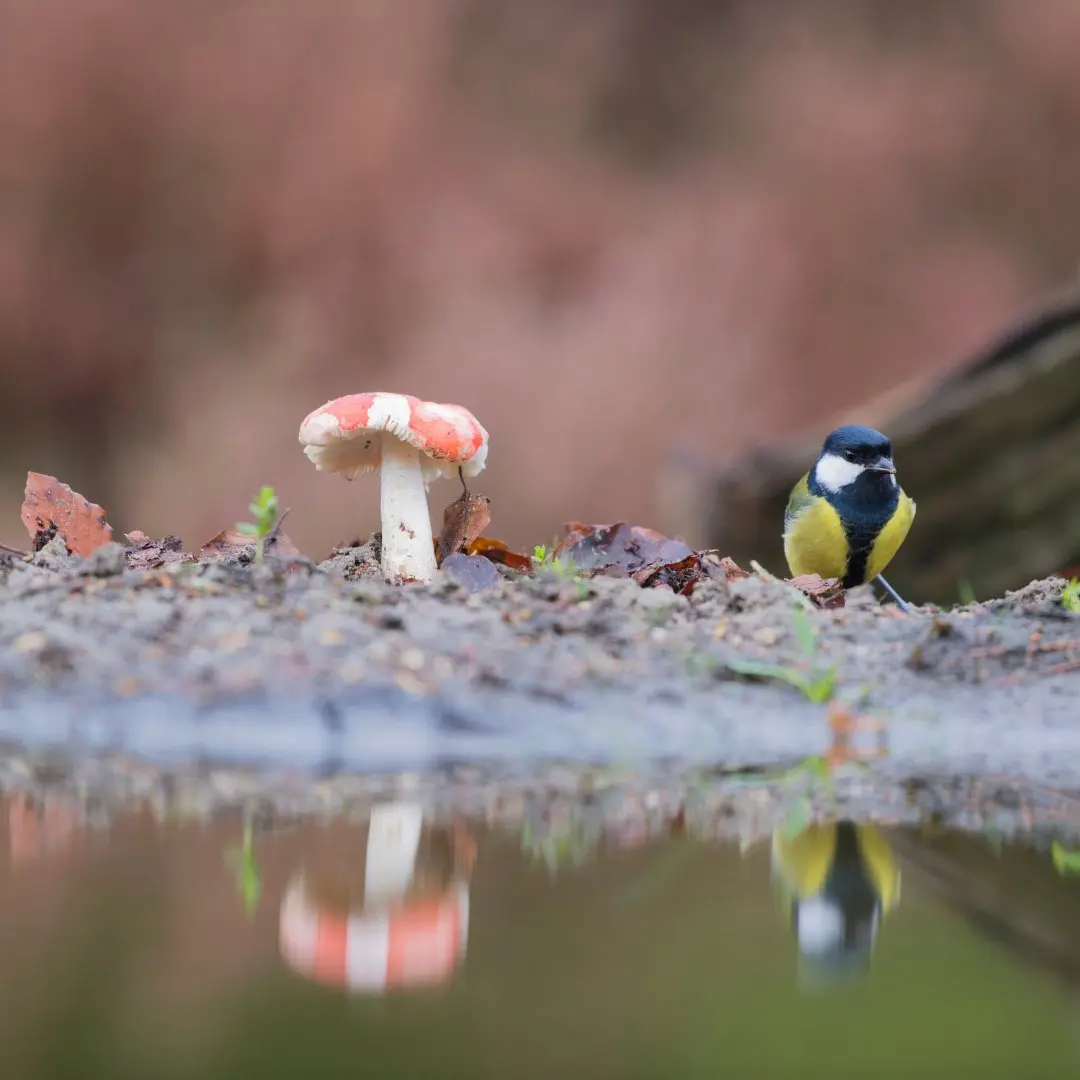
x=609, y=229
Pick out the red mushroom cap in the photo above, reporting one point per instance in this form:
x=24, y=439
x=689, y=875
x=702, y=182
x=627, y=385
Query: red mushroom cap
x=416, y=944
x=342, y=436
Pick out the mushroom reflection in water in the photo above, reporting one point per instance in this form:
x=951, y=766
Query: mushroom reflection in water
x=840, y=880
x=398, y=918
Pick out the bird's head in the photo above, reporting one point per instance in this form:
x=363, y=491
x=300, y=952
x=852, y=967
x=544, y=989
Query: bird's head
x=856, y=460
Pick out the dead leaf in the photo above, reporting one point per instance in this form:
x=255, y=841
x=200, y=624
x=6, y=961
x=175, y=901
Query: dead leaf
x=232, y=542
x=619, y=547
x=497, y=552
x=51, y=508
x=463, y=521
x=680, y=577
x=728, y=567
x=142, y=553
x=473, y=572
x=822, y=592
x=575, y=531
x=225, y=543
x=483, y=544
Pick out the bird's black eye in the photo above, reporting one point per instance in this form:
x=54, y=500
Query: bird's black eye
x=849, y=455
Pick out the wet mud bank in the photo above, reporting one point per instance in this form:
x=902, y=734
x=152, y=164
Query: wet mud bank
x=295, y=668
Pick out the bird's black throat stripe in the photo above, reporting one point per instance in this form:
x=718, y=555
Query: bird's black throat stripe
x=865, y=508
x=860, y=537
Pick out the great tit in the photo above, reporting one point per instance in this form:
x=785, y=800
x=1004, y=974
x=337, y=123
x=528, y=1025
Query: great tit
x=840, y=879
x=847, y=517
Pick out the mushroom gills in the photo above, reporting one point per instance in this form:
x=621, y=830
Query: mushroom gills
x=408, y=549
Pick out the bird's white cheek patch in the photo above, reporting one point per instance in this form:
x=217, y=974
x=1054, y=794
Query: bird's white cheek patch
x=834, y=473
x=821, y=926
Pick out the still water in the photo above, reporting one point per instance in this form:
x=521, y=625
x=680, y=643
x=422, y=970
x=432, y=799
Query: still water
x=402, y=946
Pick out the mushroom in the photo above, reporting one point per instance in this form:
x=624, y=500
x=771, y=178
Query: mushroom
x=411, y=442
x=404, y=923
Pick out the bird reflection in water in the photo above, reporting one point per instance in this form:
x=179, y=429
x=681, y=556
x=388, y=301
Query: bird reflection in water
x=396, y=917
x=840, y=880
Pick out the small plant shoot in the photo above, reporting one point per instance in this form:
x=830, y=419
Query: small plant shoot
x=1070, y=597
x=815, y=682
x=264, y=510
x=543, y=558
x=242, y=862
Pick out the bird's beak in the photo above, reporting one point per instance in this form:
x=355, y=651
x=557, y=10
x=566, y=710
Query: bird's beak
x=884, y=464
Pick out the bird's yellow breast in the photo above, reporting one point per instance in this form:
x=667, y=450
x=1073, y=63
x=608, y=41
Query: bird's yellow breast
x=815, y=541
x=892, y=535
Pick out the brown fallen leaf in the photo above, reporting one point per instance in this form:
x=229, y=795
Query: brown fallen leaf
x=143, y=553
x=230, y=542
x=483, y=544
x=680, y=577
x=472, y=572
x=730, y=569
x=619, y=547
x=497, y=552
x=225, y=543
x=51, y=508
x=575, y=531
x=463, y=521
x=822, y=592
x=233, y=542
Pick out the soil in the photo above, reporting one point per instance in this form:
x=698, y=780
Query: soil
x=295, y=668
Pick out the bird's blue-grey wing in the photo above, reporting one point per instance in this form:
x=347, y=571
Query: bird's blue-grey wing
x=799, y=501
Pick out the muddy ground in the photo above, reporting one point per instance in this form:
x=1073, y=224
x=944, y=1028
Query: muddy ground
x=291, y=668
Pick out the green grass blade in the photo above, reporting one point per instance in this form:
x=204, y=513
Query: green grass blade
x=757, y=669
x=805, y=634
x=1065, y=861
x=821, y=686
x=797, y=819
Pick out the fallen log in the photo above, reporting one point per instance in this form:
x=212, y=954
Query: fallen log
x=990, y=452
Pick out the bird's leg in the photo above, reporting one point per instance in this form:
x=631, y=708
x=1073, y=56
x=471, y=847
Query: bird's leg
x=901, y=604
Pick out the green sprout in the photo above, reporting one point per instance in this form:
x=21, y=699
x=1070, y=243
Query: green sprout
x=241, y=860
x=1065, y=861
x=965, y=592
x=544, y=558
x=265, y=512
x=799, y=815
x=561, y=850
x=817, y=683
x=1070, y=597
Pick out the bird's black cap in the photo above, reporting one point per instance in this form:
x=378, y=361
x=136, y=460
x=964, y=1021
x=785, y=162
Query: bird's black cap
x=862, y=445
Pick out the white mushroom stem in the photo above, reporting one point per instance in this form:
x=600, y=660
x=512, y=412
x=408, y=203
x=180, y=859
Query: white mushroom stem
x=393, y=840
x=408, y=550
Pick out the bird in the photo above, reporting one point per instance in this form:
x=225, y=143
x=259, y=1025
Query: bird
x=847, y=517
x=838, y=880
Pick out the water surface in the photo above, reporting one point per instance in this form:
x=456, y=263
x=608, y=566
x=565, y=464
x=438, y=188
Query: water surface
x=138, y=948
